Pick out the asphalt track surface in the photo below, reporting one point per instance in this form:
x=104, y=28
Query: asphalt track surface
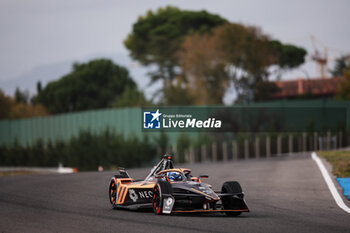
x=286, y=194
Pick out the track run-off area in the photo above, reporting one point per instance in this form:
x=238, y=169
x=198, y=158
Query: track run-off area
x=284, y=194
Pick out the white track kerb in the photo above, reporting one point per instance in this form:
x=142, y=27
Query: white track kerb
x=330, y=183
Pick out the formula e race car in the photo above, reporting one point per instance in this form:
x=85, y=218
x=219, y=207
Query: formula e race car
x=174, y=190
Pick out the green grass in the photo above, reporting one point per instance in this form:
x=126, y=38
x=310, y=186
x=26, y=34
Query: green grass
x=14, y=173
x=340, y=161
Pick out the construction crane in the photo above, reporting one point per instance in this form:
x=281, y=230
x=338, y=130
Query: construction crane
x=320, y=59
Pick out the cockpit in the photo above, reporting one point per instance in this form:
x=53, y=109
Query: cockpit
x=165, y=169
x=175, y=176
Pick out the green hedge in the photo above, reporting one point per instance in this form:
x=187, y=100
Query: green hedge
x=86, y=152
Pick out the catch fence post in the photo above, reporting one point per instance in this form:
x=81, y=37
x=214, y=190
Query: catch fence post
x=340, y=139
x=203, y=153
x=214, y=152
x=268, y=146
x=186, y=156
x=174, y=149
x=315, y=141
x=304, y=141
x=224, y=151
x=246, y=149
x=290, y=143
x=279, y=145
x=257, y=147
x=234, y=150
x=328, y=140
x=192, y=155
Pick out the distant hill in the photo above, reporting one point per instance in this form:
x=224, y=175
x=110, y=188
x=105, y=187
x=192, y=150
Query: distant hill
x=47, y=73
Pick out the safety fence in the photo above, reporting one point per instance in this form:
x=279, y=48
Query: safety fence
x=262, y=146
x=128, y=123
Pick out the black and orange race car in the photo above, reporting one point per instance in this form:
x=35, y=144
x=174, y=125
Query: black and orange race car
x=174, y=190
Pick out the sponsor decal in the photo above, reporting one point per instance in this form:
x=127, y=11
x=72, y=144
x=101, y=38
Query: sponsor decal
x=145, y=194
x=168, y=205
x=133, y=196
x=169, y=201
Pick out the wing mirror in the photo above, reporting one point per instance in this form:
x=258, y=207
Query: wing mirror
x=203, y=176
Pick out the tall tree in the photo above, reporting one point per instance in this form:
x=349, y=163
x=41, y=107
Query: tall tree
x=178, y=94
x=156, y=37
x=5, y=105
x=340, y=65
x=19, y=107
x=91, y=85
x=344, y=87
x=26, y=110
x=237, y=53
x=247, y=55
x=287, y=56
x=204, y=69
x=21, y=96
x=131, y=97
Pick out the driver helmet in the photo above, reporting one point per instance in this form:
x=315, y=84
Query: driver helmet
x=174, y=176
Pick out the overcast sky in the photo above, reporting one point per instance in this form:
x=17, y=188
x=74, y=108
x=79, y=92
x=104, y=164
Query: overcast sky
x=43, y=32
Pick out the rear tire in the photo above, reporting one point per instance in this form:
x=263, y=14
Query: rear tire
x=161, y=187
x=229, y=202
x=113, y=196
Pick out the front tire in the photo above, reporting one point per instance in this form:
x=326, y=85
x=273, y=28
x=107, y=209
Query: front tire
x=230, y=202
x=161, y=187
x=157, y=200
